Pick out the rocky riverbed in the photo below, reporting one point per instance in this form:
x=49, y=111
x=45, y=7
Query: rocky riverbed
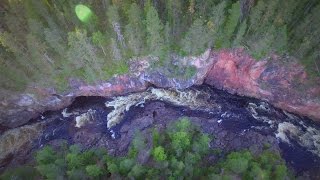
x=236, y=123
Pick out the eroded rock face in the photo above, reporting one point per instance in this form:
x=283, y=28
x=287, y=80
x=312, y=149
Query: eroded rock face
x=281, y=81
x=18, y=141
x=19, y=109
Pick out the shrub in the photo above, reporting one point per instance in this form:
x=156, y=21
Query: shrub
x=267, y=165
x=71, y=163
x=21, y=173
x=125, y=166
x=46, y=155
x=159, y=154
x=94, y=170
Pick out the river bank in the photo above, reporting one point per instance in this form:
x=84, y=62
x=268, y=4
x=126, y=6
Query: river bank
x=236, y=122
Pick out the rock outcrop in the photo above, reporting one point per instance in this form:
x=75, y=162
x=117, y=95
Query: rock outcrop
x=279, y=80
x=19, y=109
x=18, y=141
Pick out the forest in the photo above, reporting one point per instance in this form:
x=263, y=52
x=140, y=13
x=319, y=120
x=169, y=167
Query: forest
x=180, y=152
x=48, y=42
x=62, y=61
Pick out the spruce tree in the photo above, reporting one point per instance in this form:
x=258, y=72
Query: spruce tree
x=81, y=54
x=114, y=20
x=11, y=76
x=39, y=55
x=55, y=41
x=204, y=7
x=240, y=34
x=231, y=24
x=196, y=39
x=215, y=24
x=19, y=52
x=154, y=27
x=134, y=31
x=100, y=40
x=256, y=15
x=175, y=18
x=15, y=20
x=115, y=50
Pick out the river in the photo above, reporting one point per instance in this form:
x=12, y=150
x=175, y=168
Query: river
x=236, y=122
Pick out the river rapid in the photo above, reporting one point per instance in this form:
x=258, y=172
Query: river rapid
x=236, y=122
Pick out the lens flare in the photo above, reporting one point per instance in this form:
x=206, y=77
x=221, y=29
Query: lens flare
x=83, y=12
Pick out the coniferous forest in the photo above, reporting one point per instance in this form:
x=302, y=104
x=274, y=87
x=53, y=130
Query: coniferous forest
x=108, y=89
x=46, y=42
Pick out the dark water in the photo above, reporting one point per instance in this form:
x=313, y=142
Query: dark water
x=234, y=115
x=59, y=127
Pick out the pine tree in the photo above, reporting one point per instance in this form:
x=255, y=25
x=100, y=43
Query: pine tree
x=215, y=24
x=231, y=24
x=11, y=77
x=36, y=27
x=114, y=20
x=42, y=12
x=82, y=55
x=134, y=31
x=115, y=50
x=256, y=15
x=55, y=41
x=39, y=56
x=196, y=39
x=270, y=13
x=304, y=41
x=20, y=53
x=175, y=18
x=100, y=40
x=263, y=46
x=15, y=20
x=280, y=44
x=64, y=11
x=167, y=37
x=204, y=7
x=240, y=34
x=154, y=29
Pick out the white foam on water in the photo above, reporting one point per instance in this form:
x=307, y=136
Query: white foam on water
x=84, y=118
x=194, y=99
x=308, y=137
x=65, y=114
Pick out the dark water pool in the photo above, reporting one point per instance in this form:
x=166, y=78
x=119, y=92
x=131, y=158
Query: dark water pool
x=236, y=114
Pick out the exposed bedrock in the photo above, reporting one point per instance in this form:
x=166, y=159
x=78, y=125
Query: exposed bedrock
x=19, y=109
x=278, y=80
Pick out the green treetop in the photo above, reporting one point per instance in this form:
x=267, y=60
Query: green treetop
x=154, y=26
x=134, y=31
x=196, y=39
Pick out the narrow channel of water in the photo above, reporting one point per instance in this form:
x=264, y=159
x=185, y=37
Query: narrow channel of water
x=297, y=137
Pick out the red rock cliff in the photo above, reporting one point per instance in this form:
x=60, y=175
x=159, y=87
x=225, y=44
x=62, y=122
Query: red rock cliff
x=278, y=80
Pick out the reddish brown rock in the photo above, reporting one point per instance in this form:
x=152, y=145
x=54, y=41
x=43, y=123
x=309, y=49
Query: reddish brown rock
x=17, y=110
x=278, y=80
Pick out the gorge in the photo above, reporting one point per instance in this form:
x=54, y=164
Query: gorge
x=159, y=89
x=238, y=122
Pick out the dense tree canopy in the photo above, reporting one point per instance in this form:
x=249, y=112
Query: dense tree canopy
x=179, y=152
x=47, y=42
